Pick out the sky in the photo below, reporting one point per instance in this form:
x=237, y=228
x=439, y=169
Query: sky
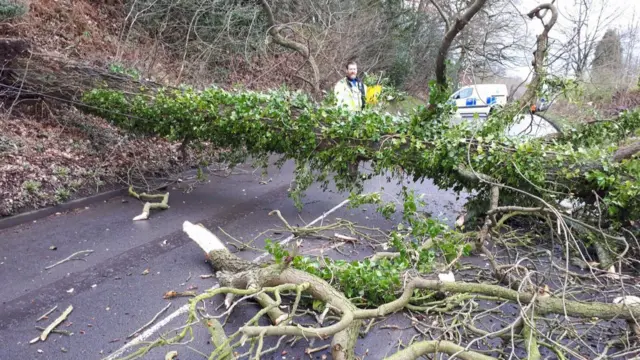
x=627, y=12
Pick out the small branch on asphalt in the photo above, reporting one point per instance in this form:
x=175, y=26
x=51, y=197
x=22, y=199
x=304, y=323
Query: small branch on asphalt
x=310, y=351
x=55, y=323
x=150, y=322
x=45, y=316
x=148, y=206
x=71, y=257
x=345, y=238
x=56, y=331
x=174, y=294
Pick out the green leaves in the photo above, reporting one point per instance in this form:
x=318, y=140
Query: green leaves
x=373, y=283
x=327, y=142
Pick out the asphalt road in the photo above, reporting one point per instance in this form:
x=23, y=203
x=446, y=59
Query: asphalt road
x=110, y=293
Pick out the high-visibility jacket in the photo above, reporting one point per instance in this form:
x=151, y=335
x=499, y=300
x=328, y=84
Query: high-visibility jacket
x=349, y=95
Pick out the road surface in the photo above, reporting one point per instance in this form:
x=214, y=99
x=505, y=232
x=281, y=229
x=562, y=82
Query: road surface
x=111, y=295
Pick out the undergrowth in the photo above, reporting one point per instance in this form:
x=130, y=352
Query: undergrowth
x=10, y=9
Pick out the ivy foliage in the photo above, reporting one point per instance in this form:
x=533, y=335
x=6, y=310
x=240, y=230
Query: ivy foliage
x=328, y=142
x=373, y=282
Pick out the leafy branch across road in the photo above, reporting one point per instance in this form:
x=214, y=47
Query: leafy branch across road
x=595, y=162
x=517, y=187
x=512, y=178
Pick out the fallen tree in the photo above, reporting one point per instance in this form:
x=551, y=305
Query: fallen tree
x=26, y=72
x=513, y=178
x=595, y=162
x=243, y=278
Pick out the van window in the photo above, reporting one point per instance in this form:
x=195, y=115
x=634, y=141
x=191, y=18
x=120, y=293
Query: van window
x=465, y=93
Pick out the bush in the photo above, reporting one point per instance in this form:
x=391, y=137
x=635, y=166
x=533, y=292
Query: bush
x=10, y=9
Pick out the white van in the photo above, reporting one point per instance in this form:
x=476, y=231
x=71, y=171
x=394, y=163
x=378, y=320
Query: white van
x=481, y=99
x=478, y=99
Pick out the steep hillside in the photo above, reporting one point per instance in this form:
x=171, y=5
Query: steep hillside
x=49, y=151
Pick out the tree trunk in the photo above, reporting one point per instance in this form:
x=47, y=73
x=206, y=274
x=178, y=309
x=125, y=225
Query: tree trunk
x=530, y=96
x=28, y=74
x=274, y=31
x=449, y=36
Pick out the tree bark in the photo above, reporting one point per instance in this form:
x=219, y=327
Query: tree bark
x=275, y=31
x=529, y=98
x=544, y=305
x=626, y=152
x=26, y=73
x=449, y=36
x=437, y=346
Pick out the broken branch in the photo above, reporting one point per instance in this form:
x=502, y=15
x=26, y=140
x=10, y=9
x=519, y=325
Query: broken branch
x=148, y=206
x=173, y=294
x=150, y=322
x=55, y=323
x=56, y=331
x=70, y=257
x=544, y=305
x=47, y=313
x=434, y=346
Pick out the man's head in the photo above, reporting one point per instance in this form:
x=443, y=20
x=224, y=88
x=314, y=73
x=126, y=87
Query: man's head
x=352, y=69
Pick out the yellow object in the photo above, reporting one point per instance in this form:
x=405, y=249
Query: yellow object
x=373, y=93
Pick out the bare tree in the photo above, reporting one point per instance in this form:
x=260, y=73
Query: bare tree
x=224, y=40
x=277, y=30
x=539, y=56
x=585, y=22
x=490, y=43
x=629, y=37
x=453, y=29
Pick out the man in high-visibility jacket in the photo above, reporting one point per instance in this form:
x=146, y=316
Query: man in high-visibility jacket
x=351, y=91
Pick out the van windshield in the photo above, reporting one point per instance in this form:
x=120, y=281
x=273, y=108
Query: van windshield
x=463, y=93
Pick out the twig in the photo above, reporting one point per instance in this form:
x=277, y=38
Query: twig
x=47, y=313
x=55, y=323
x=286, y=223
x=242, y=245
x=150, y=322
x=172, y=294
x=56, y=331
x=71, y=257
x=310, y=351
x=345, y=238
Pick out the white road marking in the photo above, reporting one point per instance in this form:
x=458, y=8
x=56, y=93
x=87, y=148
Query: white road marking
x=185, y=308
